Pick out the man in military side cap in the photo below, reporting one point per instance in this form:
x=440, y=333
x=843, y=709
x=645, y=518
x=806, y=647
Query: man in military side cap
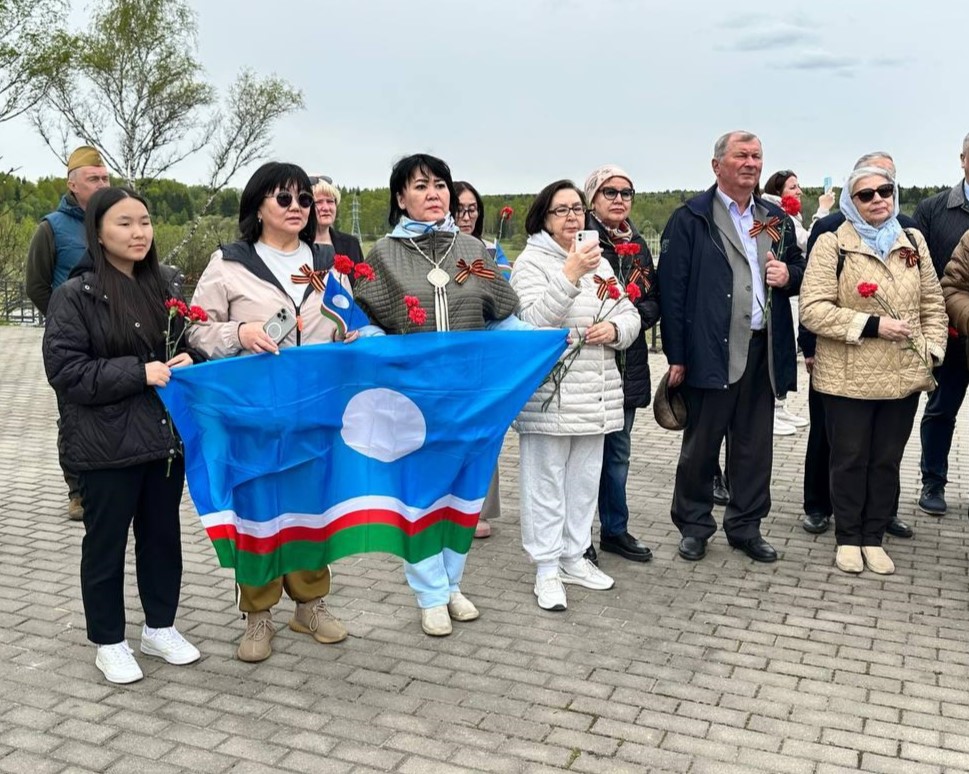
x=55, y=249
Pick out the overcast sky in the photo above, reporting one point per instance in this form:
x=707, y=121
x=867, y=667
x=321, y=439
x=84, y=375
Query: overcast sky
x=516, y=93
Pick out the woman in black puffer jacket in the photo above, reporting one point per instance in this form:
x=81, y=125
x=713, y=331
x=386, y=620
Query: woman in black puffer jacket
x=610, y=194
x=105, y=352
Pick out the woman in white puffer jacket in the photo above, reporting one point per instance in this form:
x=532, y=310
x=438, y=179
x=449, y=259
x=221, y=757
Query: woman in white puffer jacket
x=561, y=433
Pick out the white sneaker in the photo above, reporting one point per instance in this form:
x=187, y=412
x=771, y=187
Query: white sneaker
x=582, y=572
x=782, y=428
x=169, y=645
x=550, y=593
x=118, y=664
x=781, y=413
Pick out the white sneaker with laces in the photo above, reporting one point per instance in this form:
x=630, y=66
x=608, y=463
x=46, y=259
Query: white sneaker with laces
x=550, y=593
x=117, y=663
x=168, y=644
x=782, y=428
x=781, y=413
x=582, y=572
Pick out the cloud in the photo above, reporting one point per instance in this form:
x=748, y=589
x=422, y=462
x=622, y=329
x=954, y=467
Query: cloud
x=767, y=35
x=818, y=59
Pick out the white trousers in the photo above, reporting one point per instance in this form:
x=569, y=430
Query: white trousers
x=559, y=493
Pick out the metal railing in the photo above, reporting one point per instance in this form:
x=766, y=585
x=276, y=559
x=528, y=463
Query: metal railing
x=16, y=308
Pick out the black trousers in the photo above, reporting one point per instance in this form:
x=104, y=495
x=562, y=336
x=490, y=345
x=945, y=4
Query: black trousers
x=939, y=418
x=817, y=458
x=113, y=499
x=867, y=440
x=744, y=414
x=70, y=475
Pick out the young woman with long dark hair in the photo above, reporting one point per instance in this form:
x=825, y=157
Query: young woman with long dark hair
x=105, y=353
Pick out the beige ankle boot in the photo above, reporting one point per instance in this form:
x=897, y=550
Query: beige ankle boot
x=314, y=618
x=256, y=643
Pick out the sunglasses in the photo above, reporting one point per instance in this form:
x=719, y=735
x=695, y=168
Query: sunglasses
x=611, y=193
x=285, y=198
x=315, y=179
x=865, y=195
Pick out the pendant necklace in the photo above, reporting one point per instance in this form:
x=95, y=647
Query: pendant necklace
x=436, y=276
x=439, y=278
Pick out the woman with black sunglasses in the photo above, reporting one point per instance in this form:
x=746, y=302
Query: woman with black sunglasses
x=610, y=193
x=872, y=296
x=245, y=284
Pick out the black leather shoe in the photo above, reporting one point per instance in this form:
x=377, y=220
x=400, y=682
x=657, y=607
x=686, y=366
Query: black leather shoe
x=932, y=500
x=693, y=549
x=899, y=528
x=816, y=523
x=756, y=548
x=591, y=555
x=626, y=546
x=721, y=495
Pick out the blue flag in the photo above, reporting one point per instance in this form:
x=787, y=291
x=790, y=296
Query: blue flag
x=387, y=444
x=339, y=307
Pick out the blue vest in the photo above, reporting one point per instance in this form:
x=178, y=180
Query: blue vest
x=67, y=223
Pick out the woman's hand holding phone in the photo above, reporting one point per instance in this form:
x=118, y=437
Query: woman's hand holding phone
x=253, y=338
x=585, y=257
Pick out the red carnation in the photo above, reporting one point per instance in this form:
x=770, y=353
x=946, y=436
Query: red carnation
x=176, y=307
x=791, y=205
x=627, y=249
x=197, y=314
x=343, y=264
x=412, y=301
x=614, y=292
x=633, y=291
x=953, y=333
x=364, y=271
x=867, y=289
x=417, y=315
x=506, y=213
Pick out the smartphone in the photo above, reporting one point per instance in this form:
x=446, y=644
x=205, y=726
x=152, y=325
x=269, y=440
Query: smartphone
x=585, y=238
x=828, y=184
x=280, y=325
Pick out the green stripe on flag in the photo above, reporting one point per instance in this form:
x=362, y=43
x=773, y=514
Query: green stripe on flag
x=258, y=569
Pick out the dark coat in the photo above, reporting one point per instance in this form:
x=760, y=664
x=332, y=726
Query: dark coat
x=697, y=280
x=633, y=363
x=346, y=244
x=111, y=418
x=943, y=219
x=806, y=339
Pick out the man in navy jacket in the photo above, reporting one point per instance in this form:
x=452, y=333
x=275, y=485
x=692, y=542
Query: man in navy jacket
x=728, y=270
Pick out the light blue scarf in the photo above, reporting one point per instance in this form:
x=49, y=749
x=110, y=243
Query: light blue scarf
x=407, y=228
x=878, y=238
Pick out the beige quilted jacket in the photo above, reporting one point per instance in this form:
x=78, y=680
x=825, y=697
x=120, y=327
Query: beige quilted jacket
x=847, y=364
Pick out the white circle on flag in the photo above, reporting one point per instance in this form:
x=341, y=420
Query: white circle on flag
x=341, y=301
x=383, y=424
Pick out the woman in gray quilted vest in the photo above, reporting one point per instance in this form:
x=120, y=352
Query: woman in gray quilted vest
x=459, y=288
x=872, y=296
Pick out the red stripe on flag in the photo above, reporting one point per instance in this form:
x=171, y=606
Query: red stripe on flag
x=266, y=545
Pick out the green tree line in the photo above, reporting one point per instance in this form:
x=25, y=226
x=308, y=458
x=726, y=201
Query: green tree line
x=175, y=205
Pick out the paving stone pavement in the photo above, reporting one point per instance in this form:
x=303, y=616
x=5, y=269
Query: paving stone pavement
x=717, y=666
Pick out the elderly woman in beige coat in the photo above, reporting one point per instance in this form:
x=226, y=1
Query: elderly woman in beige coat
x=871, y=295
x=562, y=428
x=244, y=285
